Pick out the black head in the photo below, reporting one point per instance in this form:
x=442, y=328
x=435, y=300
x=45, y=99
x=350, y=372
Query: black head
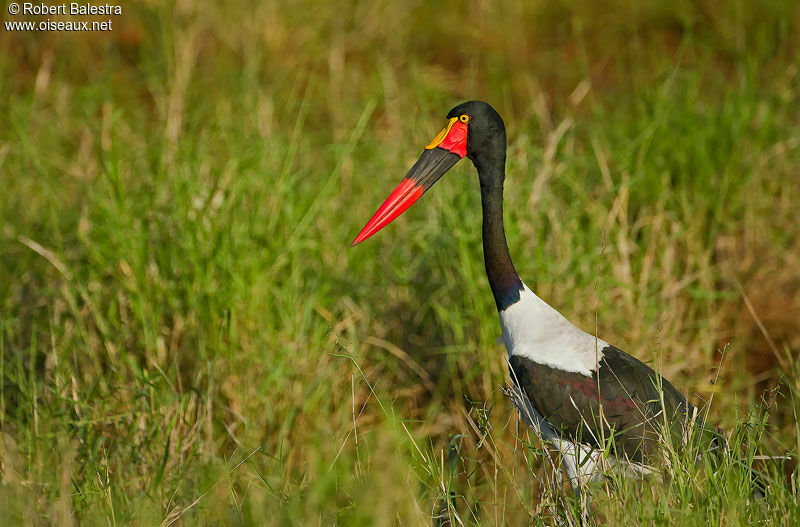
x=486, y=139
x=475, y=130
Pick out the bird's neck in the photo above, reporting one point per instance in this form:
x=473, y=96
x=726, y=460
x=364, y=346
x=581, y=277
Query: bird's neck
x=503, y=278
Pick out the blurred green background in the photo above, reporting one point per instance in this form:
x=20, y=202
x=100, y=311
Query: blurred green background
x=186, y=339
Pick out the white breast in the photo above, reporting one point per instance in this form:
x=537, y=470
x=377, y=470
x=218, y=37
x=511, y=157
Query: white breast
x=534, y=330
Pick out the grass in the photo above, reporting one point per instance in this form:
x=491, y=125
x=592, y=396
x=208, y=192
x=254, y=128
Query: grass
x=186, y=339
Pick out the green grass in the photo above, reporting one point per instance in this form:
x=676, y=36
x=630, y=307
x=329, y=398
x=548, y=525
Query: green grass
x=185, y=337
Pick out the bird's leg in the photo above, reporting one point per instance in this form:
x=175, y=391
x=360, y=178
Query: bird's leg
x=545, y=430
x=568, y=460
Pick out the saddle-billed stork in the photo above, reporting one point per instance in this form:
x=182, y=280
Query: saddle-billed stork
x=582, y=387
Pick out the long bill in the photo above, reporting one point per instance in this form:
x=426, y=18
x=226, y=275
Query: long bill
x=446, y=149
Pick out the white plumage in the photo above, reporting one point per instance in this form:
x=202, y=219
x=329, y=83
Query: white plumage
x=534, y=330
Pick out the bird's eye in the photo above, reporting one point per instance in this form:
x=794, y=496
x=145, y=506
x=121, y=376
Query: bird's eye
x=464, y=118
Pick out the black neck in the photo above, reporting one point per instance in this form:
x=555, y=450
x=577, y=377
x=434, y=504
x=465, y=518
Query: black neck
x=503, y=278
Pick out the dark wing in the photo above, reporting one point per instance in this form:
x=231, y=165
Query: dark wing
x=637, y=403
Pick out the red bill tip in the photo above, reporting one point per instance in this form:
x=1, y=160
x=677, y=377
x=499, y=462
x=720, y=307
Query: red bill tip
x=406, y=193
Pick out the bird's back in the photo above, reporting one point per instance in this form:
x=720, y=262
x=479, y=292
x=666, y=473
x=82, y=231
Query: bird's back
x=588, y=389
x=623, y=397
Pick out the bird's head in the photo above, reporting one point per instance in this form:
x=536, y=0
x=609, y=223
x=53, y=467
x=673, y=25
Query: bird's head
x=486, y=137
x=475, y=130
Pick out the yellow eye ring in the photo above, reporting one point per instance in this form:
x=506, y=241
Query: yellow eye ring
x=464, y=118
